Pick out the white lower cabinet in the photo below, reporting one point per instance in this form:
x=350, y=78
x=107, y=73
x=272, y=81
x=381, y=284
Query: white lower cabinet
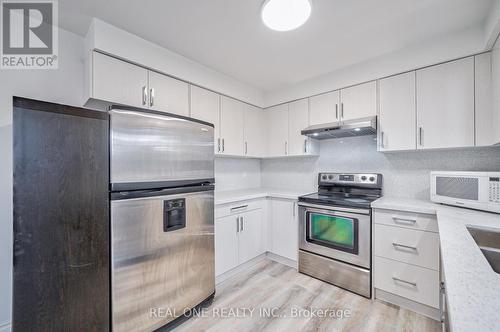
x=226, y=244
x=239, y=235
x=284, y=228
x=406, y=258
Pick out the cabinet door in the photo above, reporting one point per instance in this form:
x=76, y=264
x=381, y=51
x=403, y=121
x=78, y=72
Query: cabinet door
x=359, y=101
x=254, y=132
x=445, y=105
x=397, y=113
x=298, y=119
x=118, y=81
x=250, y=237
x=324, y=108
x=484, y=119
x=285, y=237
x=168, y=94
x=226, y=244
x=205, y=105
x=231, y=126
x=277, y=130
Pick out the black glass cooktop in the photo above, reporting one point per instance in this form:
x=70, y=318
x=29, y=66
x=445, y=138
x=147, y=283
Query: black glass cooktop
x=340, y=199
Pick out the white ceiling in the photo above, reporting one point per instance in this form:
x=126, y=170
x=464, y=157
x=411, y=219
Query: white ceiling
x=228, y=35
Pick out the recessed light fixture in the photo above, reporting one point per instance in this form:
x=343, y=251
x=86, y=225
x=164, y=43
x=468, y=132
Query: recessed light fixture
x=285, y=15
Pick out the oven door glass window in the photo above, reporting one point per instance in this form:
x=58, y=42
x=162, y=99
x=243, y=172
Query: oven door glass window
x=340, y=233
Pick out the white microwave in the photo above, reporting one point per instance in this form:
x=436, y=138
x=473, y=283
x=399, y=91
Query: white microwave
x=474, y=190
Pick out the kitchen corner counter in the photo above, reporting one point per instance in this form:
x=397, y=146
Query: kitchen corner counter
x=405, y=204
x=231, y=196
x=472, y=287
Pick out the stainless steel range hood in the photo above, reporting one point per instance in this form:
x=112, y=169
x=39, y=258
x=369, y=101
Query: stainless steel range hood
x=350, y=128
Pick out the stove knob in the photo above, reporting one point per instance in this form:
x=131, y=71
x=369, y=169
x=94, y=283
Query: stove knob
x=363, y=178
x=330, y=177
x=372, y=178
x=323, y=177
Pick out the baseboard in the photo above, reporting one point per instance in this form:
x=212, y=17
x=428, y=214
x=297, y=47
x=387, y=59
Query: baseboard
x=226, y=275
x=407, y=304
x=5, y=327
x=282, y=260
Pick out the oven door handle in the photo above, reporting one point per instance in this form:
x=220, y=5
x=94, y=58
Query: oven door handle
x=334, y=208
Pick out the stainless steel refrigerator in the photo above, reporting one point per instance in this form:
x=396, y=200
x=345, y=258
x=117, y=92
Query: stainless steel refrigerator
x=162, y=216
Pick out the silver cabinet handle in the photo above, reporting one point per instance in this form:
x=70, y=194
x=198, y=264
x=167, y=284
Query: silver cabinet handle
x=305, y=146
x=222, y=145
x=237, y=224
x=286, y=148
x=241, y=221
x=420, y=135
x=293, y=209
x=414, y=284
x=151, y=97
x=246, y=148
x=398, y=245
x=218, y=144
x=144, y=95
x=400, y=220
x=238, y=208
x=341, y=110
x=382, y=145
x=337, y=111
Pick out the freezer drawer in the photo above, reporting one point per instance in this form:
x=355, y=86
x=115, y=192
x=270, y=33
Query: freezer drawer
x=162, y=257
x=154, y=150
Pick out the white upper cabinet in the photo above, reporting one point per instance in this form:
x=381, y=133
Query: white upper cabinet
x=484, y=115
x=167, y=94
x=358, y=101
x=397, y=113
x=298, y=119
x=277, y=130
x=118, y=81
x=205, y=105
x=324, y=108
x=445, y=105
x=254, y=132
x=232, y=126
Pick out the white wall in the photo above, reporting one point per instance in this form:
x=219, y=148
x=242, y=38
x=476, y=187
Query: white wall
x=237, y=173
x=64, y=85
x=406, y=174
x=414, y=56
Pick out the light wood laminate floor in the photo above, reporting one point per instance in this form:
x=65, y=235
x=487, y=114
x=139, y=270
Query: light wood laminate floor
x=282, y=291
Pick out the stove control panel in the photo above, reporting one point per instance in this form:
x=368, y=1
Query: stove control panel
x=353, y=179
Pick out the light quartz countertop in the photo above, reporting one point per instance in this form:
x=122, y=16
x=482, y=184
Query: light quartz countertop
x=231, y=196
x=472, y=287
x=405, y=204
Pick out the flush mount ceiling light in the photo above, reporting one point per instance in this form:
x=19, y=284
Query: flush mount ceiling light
x=285, y=15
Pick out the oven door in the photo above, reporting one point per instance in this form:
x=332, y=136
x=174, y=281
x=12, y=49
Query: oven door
x=338, y=233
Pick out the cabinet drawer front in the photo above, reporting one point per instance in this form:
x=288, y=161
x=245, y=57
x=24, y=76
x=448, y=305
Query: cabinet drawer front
x=419, y=221
x=407, y=245
x=415, y=283
x=238, y=207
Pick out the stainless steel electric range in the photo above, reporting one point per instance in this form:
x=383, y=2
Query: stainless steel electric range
x=335, y=230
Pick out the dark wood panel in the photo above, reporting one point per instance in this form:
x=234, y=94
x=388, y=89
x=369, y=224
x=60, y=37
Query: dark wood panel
x=61, y=218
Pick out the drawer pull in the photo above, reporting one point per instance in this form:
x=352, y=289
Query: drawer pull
x=414, y=284
x=398, y=245
x=399, y=220
x=239, y=208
